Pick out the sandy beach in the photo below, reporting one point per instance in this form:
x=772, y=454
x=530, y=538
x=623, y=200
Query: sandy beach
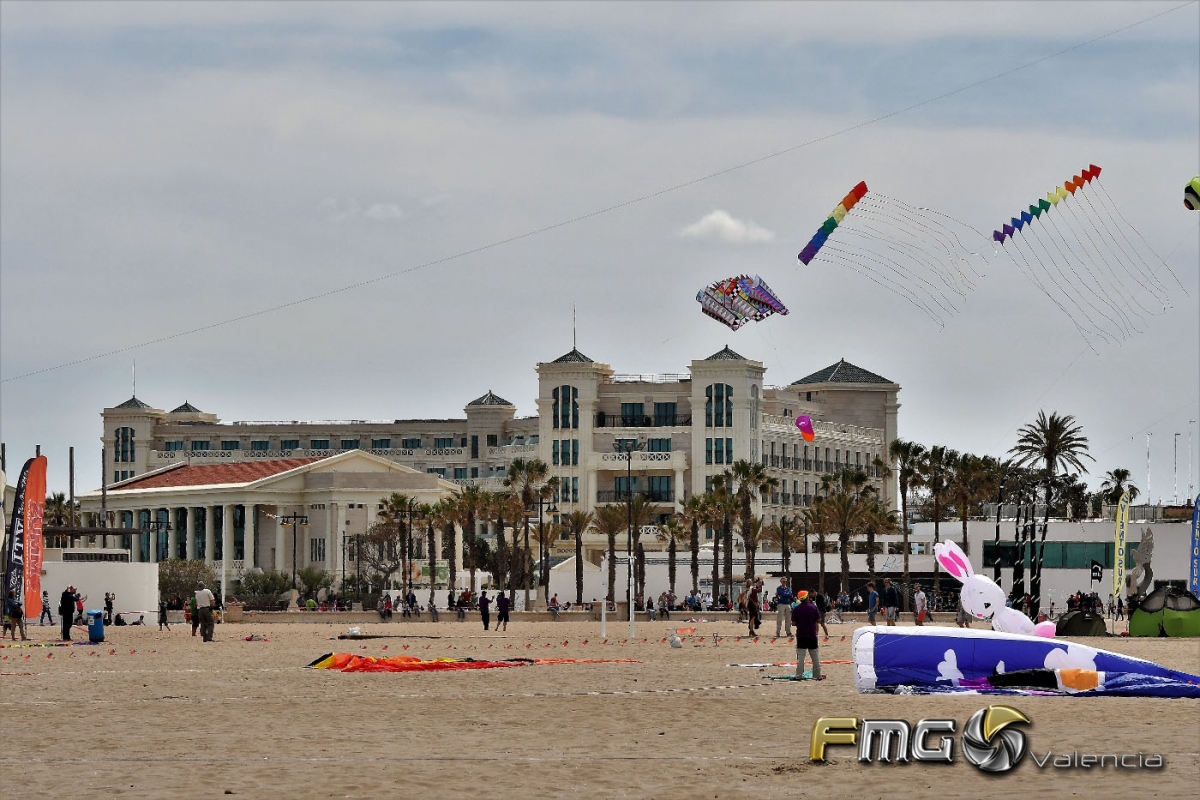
x=151, y=714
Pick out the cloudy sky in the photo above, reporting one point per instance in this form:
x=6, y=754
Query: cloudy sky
x=165, y=167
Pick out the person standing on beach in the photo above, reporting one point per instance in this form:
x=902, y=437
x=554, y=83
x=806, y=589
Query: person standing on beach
x=204, y=605
x=783, y=607
x=891, y=602
x=66, y=608
x=805, y=616
x=162, y=616
x=195, y=613
x=14, y=610
x=503, y=604
x=919, y=604
x=45, y=609
x=872, y=603
x=485, y=607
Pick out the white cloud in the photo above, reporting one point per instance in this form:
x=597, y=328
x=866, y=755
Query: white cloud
x=723, y=226
x=383, y=211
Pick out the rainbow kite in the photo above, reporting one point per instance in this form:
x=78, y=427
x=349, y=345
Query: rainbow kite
x=835, y=218
x=1053, y=198
x=349, y=662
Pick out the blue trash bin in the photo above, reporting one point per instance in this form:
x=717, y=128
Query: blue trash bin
x=95, y=626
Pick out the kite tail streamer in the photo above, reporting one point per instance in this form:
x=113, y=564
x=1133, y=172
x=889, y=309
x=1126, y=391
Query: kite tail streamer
x=902, y=277
x=1052, y=298
x=1054, y=226
x=1068, y=224
x=1130, y=297
x=945, y=275
x=902, y=219
x=924, y=210
x=1145, y=269
x=933, y=290
x=1103, y=303
x=868, y=274
x=1143, y=238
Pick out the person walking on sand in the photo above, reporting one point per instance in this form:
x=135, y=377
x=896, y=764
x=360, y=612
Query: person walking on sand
x=14, y=611
x=872, y=603
x=891, y=602
x=195, y=613
x=45, y=609
x=162, y=616
x=204, y=605
x=783, y=607
x=919, y=607
x=485, y=608
x=806, y=616
x=66, y=608
x=503, y=604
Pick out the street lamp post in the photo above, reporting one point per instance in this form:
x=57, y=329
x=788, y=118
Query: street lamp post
x=295, y=520
x=544, y=555
x=153, y=527
x=628, y=446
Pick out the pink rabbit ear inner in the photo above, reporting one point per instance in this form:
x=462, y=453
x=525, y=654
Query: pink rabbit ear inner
x=954, y=564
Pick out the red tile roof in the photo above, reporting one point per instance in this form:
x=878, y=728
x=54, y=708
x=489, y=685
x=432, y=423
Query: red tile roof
x=210, y=474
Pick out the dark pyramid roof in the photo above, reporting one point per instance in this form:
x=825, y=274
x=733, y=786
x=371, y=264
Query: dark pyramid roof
x=842, y=372
x=489, y=399
x=725, y=355
x=134, y=403
x=186, y=408
x=573, y=357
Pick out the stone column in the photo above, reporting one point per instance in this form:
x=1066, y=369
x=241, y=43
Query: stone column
x=190, y=543
x=279, y=543
x=173, y=533
x=152, y=550
x=331, y=530
x=677, y=486
x=250, y=536
x=226, y=547
x=210, y=526
x=135, y=537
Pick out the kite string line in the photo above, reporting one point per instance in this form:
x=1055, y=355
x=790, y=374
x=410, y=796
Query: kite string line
x=624, y=204
x=1083, y=216
x=869, y=274
x=1130, y=297
x=1147, y=273
x=933, y=291
x=886, y=216
x=1053, y=299
x=1074, y=225
x=1110, y=207
x=936, y=229
x=955, y=220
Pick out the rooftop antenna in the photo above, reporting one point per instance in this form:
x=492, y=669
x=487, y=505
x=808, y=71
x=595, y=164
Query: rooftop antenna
x=135, y=377
x=574, y=345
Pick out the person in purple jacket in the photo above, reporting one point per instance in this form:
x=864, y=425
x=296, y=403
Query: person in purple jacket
x=805, y=618
x=485, y=606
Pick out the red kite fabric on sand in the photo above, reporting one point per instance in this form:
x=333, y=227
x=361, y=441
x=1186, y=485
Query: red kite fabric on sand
x=349, y=662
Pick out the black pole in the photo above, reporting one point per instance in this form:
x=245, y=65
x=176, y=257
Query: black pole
x=629, y=523
x=999, y=508
x=294, y=524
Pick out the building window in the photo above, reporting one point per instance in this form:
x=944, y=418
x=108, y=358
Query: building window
x=289, y=444
x=474, y=447
x=660, y=488
x=632, y=413
x=173, y=447
x=754, y=407
x=492, y=440
x=349, y=444
x=575, y=452
x=554, y=453
x=123, y=449
x=316, y=550
x=658, y=445
x=410, y=444
x=201, y=446
x=718, y=406
x=808, y=397
x=665, y=414
x=719, y=451
x=565, y=413
x=318, y=444
x=574, y=490
x=381, y=444
x=439, y=471
x=260, y=444
x=460, y=472
x=443, y=443
x=708, y=451
x=231, y=444
x=474, y=472
x=729, y=451
x=624, y=485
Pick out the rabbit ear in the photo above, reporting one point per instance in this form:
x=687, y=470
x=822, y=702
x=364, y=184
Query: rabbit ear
x=953, y=560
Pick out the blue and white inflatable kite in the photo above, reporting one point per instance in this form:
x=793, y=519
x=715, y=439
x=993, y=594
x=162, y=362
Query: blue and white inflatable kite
x=936, y=660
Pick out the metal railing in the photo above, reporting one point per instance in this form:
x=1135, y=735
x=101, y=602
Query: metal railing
x=603, y=420
x=651, y=495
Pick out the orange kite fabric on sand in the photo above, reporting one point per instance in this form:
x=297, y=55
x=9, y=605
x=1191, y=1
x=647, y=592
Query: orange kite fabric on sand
x=349, y=662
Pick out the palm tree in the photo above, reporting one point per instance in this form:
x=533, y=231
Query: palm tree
x=694, y=515
x=907, y=457
x=1116, y=483
x=508, y=506
x=528, y=480
x=752, y=480
x=877, y=519
x=56, y=512
x=724, y=507
x=814, y=518
x=969, y=483
x=577, y=522
x=428, y=513
x=1054, y=442
x=786, y=535
x=472, y=503
x=610, y=520
x=395, y=510
x=935, y=476
x=752, y=536
x=642, y=514
x=671, y=532
x=447, y=514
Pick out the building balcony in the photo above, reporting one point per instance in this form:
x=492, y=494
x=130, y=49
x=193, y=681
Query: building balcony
x=651, y=495
x=603, y=420
x=642, y=460
x=509, y=451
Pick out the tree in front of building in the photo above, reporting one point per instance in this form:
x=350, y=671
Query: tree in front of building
x=576, y=523
x=264, y=589
x=610, y=520
x=382, y=547
x=752, y=480
x=1116, y=483
x=312, y=580
x=178, y=577
x=672, y=532
x=907, y=458
x=693, y=516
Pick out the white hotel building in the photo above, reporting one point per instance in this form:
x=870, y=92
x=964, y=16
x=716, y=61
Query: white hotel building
x=184, y=472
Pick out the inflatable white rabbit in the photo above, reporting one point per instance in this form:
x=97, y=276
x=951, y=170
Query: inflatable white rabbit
x=982, y=598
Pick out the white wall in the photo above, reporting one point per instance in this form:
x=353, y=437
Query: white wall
x=136, y=585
